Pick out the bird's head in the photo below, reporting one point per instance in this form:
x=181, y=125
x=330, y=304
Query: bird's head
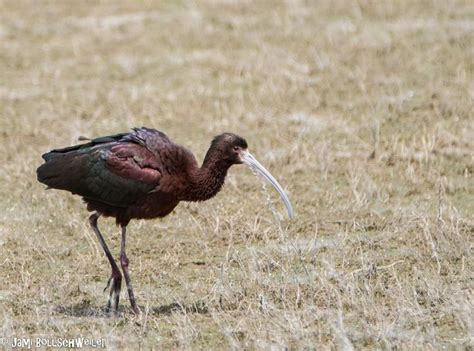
x=233, y=149
x=229, y=147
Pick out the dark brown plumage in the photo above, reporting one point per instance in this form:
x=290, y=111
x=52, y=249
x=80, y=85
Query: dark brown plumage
x=141, y=174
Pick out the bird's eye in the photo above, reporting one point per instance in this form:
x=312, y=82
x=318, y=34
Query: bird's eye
x=236, y=148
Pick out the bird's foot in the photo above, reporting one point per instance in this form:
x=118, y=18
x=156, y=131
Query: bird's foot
x=135, y=309
x=131, y=295
x=108, y=283
x=115, y=283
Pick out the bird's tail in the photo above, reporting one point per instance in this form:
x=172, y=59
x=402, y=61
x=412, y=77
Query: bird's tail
x=66, y=168
x=77, y=168
x=59, y=170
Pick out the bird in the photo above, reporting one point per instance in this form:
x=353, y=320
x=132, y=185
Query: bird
x=142, y=174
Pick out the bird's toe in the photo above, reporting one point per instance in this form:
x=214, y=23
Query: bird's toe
x=115, y=284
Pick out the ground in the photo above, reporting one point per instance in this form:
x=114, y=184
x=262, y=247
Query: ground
x=363, y=110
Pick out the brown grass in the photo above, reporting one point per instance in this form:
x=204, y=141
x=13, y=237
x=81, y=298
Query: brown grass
x=362, y=109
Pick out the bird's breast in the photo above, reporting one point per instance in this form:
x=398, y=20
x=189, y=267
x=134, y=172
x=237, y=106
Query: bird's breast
x=153, y=205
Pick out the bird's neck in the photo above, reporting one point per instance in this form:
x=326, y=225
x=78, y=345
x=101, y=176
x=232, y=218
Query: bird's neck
x=206, y=181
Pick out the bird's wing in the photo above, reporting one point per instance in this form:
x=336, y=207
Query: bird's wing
x=115, y=170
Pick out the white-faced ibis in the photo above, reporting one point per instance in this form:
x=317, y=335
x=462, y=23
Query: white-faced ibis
x=142, y=174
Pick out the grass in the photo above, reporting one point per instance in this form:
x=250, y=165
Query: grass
x=362, y=110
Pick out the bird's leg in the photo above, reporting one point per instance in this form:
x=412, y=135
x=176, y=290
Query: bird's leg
x=116, y=276
x=124, y=264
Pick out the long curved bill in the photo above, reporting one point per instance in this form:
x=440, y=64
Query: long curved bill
x=250, y=161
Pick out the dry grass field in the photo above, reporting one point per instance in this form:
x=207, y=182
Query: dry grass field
x=363, y=110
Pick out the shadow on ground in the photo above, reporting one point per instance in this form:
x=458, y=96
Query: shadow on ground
x=196, y=307
x=85, y=309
